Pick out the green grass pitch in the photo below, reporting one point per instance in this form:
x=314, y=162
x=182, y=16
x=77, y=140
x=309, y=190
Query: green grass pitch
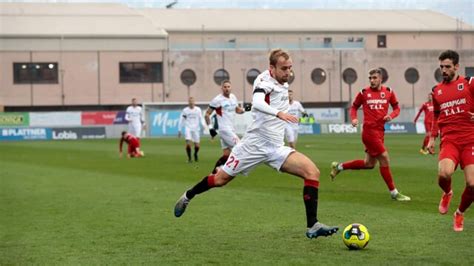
x=76, y=202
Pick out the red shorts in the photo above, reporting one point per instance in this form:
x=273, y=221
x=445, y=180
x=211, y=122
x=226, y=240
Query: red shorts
x=133, y=146
x=373, y=142
x=459, y=153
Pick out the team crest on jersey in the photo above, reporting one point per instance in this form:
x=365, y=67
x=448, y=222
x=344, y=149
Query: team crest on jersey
x=440, y=92
x=460, y=86
x=369, y=95
x=382, y=95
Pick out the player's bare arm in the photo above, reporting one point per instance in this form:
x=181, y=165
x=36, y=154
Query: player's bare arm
x=207, y=116
x=431, y=145
x=354, y=122
x=287, y=117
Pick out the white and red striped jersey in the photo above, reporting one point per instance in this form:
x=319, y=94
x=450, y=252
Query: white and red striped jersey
x=265, y=125
x=190, y=118
x=297, y=110
x=225, y=110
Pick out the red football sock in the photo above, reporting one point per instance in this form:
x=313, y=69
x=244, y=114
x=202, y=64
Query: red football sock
x=445, y=184
x=354, y=165
x=425, y=141
x=387, y=177
x=466, y=199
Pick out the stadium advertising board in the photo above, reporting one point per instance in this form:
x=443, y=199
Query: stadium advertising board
x=327, y=115
x=25, y=133
x=14, y=119
x=73, y=133
x=164, y=123
x=420, y=128
x=47, y=119
x=309, y=129
x=400, y=128
x=120, y=118
x=339, y=129
x=103, y=118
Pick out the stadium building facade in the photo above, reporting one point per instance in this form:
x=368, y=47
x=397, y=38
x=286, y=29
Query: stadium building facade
x=102, y=55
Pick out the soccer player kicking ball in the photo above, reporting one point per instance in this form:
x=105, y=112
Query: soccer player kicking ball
x=263, y=143
x=453, y=102
x=375, y=100
x=133, y=145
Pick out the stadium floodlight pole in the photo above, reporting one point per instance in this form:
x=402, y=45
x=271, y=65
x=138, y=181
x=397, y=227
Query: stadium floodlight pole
x=243, y=84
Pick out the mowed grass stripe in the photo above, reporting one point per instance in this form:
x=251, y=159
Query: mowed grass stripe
x=77, y=203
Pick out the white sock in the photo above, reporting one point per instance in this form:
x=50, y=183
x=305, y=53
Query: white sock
x=393, y=192
x=459, y=212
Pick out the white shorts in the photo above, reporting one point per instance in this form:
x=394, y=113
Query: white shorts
x=192, y=135
x=249, y=152
x=291, y=133
x=228, y=139
x=135, y=129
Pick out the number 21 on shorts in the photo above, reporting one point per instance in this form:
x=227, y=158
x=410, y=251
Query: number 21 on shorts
x=231, y=161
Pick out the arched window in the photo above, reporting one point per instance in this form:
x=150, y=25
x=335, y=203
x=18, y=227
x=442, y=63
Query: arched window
x=349, y=75
x=188, y=77
x=221, y=75
x=384, y=74
x=412, y=75
x=252, y=75
x=318, y=76
x=438, y=75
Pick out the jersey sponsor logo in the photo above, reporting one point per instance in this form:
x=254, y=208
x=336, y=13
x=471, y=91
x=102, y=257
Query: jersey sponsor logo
x=377, y=101
x=452, y=107
x=453, y=103
x=460, y=86
x=376, y=104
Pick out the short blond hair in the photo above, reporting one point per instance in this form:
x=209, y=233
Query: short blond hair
x=275, y=54
x=375, y=70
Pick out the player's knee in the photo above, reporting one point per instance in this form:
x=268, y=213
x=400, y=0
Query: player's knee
x=226, y=152
x=312, y=173
x=470, y=184
x=221, y=180
x=445, y=174
x=369, y=164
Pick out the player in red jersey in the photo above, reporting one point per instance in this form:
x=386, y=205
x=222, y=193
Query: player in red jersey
x=375, y=100
x=427, y=109
x=133, y=145
x=453, y=102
